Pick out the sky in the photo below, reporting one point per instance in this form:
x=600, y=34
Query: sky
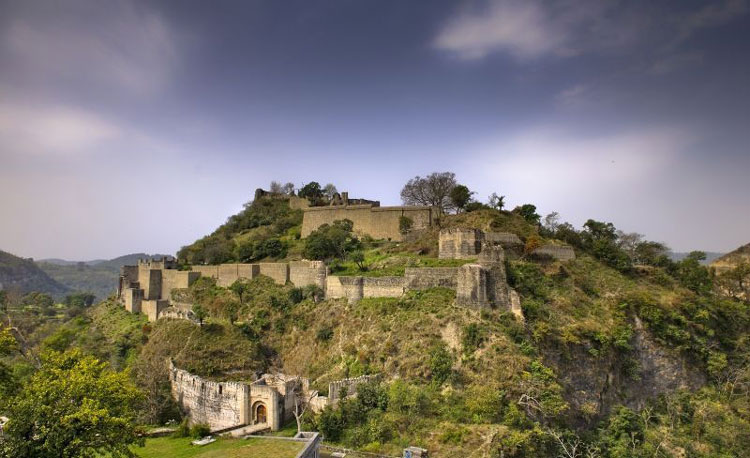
x=130, y=126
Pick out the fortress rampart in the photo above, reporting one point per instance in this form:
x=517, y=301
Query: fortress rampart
x=370, y=219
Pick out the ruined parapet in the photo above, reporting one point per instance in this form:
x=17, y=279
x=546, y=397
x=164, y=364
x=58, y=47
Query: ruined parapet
x=559, y=252
x=458, y=243
x=221, y=405
x=511, y=243
x=347, y=387
x=430, y=277
x=350, y=288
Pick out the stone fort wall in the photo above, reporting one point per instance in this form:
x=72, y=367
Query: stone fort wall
x=377, y=222
x=221, y=405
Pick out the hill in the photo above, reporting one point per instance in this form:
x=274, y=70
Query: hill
x=620, y=352
x=26, y=276
x=732, y=259
x=98, y=277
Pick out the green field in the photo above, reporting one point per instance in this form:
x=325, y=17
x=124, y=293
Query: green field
x=230, y=448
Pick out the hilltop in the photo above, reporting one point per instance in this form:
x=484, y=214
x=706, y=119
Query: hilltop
x=732, y=259
x=617, y=350
x=26, y=276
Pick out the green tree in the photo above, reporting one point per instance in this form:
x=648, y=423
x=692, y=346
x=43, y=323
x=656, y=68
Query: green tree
x=332, y=241
x=240, y=287
x=528, y=212
x=312, y=192
x=692, y=275
x=460, y=197
x=496, y=202
x=200, y=313
x=8, y=384
x=74, y=406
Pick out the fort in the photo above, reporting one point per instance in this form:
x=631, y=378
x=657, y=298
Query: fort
x=243, y=407
x=154, y=287
x=368, y=216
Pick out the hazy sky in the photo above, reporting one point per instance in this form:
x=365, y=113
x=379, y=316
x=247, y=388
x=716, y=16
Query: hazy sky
x=140, y=126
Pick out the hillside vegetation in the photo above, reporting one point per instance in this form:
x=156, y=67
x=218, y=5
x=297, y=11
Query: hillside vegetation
x=620, y=353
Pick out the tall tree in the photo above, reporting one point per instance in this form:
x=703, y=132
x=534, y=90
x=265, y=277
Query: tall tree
x=329, y=191
x=496, y=202
x=433, y=190
x=460, y=197
x=74, y=406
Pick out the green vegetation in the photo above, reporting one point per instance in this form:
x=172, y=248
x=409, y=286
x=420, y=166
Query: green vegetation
x=223, y=448
x=621, y=352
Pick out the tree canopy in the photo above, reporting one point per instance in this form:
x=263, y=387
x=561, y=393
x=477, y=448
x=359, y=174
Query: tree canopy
x=433, y=190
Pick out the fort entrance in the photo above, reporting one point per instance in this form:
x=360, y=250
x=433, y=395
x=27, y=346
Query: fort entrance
x=260, y=414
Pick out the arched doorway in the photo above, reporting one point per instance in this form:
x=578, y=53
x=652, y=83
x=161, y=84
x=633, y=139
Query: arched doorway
x=261, y=414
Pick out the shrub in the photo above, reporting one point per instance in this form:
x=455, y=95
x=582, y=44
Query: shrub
x=324, y=334
x=441, y=364
x=405, y=224
x=200, y=430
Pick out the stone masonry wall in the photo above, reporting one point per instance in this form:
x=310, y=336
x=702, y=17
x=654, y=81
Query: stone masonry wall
x=377, y=222
x=559, y=252
x=430, y=277
x=219, y=404
x=349, y=384
x=459, y=243
x=304, y=273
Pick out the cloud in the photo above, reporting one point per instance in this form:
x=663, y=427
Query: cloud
x=521, y=28
x=113, y=43
x=713, y=15
x=533, y=29
x=52, y=129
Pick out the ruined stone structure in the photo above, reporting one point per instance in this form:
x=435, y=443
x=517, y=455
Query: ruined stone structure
x=268, y=401
x=147, y=288
x=559, y=252
x=368, y=216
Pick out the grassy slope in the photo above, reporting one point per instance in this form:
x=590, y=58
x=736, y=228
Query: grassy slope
x=229, y=448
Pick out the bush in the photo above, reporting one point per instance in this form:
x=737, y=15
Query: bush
x=441, y=364
x=183, y=429
x=324, y=334
x=405, y=224
x=200, y=430
x=333, y=241
x=331, y=424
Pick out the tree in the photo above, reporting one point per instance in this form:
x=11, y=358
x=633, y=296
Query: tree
x=528, y=211
x=332, y=241
x=288, y=189
x=460, y=197
x=240, y=287
x=329, y=191
x=694, y=276
x=302, y=398
x=433, y=190
x=496, y=202
x=551, y=223
x=74, y=406
x=358, y=257
x=276, y=188
x=80, y=300
x=736, y=282
x=200, y=313
x=312, y=192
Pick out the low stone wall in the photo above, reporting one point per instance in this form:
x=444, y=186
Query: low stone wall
x=278, y=271
x=350, y=288
x=559, y=252
x=304, y=273
x=383, y=286
x=349, y=385
x=221, y=405
x=430, y=277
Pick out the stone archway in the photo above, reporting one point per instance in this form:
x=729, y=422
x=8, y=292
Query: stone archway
x=261, y=413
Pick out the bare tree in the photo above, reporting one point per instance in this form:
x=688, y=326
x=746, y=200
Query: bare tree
x=495, y=201
x=433, y=190
x=302, y=397
x=276, y=188
x=288, y=189
x=329, y=191
x=551, y=222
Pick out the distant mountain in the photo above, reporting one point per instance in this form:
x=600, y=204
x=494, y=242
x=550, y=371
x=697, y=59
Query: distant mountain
x=26, y=276
x=710, y=256
x=98, y=276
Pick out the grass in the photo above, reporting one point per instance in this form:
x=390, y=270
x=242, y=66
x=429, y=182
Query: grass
x=380, y=264
x=225, y=448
